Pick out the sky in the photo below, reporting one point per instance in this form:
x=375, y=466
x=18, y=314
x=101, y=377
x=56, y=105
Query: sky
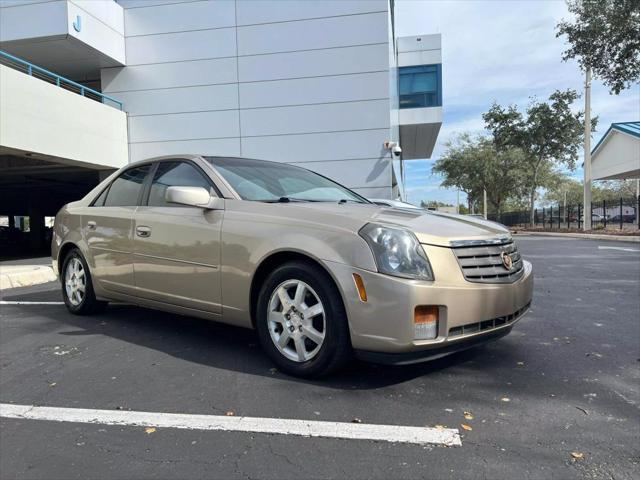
x=503, y=51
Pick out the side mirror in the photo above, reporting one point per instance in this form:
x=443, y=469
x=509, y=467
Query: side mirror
x=194, y=197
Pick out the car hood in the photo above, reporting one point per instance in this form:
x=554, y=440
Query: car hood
x=433, y=228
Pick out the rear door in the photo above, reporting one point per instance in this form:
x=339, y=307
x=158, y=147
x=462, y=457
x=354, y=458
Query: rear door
x=108, y=230
x=177, y=248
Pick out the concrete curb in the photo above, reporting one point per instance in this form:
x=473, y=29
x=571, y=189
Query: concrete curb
x=12, y=276
x=590, y=236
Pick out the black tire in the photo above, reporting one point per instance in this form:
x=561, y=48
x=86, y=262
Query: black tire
x=335, y=350
x=89, y=304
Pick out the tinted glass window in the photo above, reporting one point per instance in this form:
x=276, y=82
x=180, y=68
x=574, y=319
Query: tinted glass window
x=420, y=86
x=100, y=200
x=271, y=181
x=174, y=174
x=125, y=189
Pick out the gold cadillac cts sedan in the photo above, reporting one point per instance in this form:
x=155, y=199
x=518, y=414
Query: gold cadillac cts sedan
x=319, y=271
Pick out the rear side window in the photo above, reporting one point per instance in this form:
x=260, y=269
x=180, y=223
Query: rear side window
x=174, y=174
x=125, y=190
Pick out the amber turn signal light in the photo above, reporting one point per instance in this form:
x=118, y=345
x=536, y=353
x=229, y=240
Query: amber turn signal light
x=362, y=292
x=425, y=314
x=425, y=322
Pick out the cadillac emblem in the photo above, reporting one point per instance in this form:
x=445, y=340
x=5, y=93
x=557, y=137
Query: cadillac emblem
x=506, y=260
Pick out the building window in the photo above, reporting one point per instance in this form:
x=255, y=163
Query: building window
x=420, y=86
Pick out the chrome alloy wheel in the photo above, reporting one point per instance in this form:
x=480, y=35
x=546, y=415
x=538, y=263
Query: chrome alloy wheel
x=297, y=322
x=75, y=281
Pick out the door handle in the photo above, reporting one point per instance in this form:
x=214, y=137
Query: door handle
x=143, y=231
x=91, y=225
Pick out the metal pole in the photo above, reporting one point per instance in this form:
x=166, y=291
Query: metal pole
x=565, y=206
x=458, y=203
x=587, y=150
x=485, y=204
x=620, y=213
x=638, y=202
x=604, y=212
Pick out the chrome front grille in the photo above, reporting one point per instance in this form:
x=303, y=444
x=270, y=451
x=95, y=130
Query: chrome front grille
x=485, y=264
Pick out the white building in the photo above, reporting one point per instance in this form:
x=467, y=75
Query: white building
x=317, y=83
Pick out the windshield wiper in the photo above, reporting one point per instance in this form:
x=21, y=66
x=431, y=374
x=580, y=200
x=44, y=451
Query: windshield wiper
x=345, y=200
x=284, y=200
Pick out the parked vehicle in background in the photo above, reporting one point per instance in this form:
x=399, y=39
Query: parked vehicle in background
x=626, y=218
x=319, y=271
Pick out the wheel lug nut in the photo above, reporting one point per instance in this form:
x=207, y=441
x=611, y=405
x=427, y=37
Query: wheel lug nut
x=291, y=328
x=287, y=316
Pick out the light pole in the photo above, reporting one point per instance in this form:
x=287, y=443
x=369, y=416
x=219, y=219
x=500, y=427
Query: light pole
x=587, y=150
x=484, y=195
x=565, y=206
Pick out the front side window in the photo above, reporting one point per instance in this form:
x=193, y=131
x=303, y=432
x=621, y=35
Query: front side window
x=174, y=174
x=420, y=86
x=125, y=190
x=271, y=181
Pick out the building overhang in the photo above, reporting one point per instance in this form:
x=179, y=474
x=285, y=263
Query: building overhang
x=71, y=40
x=419, y=128
x=617, y=154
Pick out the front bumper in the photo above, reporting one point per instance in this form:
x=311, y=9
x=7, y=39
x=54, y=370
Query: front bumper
x=469, y=313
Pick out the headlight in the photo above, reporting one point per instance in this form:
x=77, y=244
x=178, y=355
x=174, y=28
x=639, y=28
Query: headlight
x=397, y=252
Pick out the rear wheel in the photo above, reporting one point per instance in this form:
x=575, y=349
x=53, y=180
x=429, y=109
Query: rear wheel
x=77, y=287
x=301, y=321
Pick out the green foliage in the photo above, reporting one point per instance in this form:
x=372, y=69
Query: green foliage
x=606, y=37
x=611, y=191
x=548, y=134
x=476, y=164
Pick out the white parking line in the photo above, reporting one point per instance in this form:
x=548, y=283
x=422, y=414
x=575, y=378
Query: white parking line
x=282, y=426
x=600, y=247
x=19, y=302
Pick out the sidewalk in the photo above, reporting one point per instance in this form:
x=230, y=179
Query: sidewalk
x=12, y=276
x=591, y=236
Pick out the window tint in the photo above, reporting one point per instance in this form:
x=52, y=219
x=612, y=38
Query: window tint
x=174, y=174
x=271, y=181
x=125, y=189
x=100, y=200
x=420, y=86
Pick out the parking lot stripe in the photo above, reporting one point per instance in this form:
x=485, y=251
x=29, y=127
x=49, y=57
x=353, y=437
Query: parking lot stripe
x=19, y=302
x=623, y=249
x=282, y=426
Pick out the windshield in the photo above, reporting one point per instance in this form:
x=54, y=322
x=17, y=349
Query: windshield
x=273, y=182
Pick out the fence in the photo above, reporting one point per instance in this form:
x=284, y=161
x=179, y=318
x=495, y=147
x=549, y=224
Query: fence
x=608, y=214
x=50, y=77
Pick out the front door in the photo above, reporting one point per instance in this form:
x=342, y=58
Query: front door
x=108, y=230
x=177, y=248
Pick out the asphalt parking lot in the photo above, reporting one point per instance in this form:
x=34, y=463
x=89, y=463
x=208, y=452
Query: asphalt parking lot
x=557, y=398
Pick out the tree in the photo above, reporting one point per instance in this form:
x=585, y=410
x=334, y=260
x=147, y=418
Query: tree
x=549, y=135
x=475, y=164
x=606, y=41
x=605, y=37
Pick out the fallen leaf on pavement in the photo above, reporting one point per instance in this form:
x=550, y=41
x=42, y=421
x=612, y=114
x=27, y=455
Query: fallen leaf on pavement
x=577, y=455
x=52, y=384
x=150, y=430
x=466, y=427
x=230, y=413
x=505, y=399
x=520, y=363
x=356, y=420
x=468, y=415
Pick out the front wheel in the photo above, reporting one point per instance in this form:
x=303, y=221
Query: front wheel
x=301, y=321
x=77, y=287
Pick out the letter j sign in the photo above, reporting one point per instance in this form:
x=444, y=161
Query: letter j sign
x=77, y=25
